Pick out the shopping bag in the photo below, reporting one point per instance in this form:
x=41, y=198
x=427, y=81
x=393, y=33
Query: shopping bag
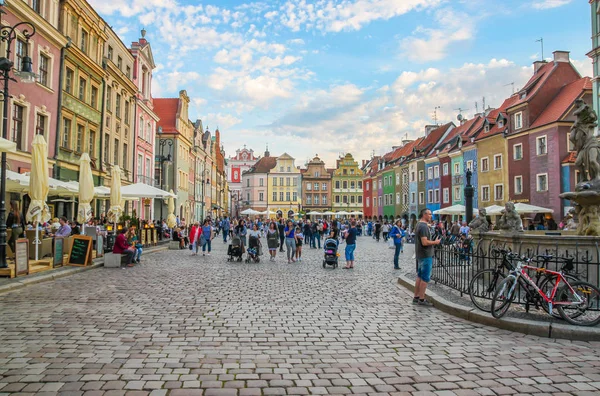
x=391, y=243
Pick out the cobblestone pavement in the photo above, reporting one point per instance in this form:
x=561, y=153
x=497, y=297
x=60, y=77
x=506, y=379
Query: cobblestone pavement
x=184, y=325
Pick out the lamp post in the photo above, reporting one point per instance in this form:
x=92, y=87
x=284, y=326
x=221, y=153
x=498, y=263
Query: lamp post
x=204, y=183
x=7, y=35
x=163, y=159
x=469, y=193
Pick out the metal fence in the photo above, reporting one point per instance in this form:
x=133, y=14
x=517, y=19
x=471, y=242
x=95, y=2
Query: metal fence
x=455, y=264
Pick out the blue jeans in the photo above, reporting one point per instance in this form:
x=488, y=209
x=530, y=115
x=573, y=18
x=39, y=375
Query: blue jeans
x=138, y=254
x=225, y=235
x=316, y=237
x=205, y=245
x=424, y=268
x=290, y=244
x=397, y=254
x=350, y=252
x=307, y=238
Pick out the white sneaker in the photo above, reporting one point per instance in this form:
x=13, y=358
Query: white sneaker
x=208, y=254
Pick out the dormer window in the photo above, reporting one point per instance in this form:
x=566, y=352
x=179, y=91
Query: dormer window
x=487, y=127
x=523, y=95
x=519, y=120
x=501, y=123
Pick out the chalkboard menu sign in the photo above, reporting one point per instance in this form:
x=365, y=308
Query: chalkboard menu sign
x=99, y=246
x=22, y=256
x=81, y=251
x=59, y=245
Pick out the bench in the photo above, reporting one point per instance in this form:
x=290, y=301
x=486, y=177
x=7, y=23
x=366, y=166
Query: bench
x=173, y=245
x=112, y=260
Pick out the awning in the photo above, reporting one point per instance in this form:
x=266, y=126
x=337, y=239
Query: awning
x=493, y=210
x=453, y=210
x=141, y=190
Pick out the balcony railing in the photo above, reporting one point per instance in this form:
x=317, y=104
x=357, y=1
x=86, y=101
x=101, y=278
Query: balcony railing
x=145, y=179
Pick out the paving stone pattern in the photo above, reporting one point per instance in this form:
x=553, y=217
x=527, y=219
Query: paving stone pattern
x=183, y=325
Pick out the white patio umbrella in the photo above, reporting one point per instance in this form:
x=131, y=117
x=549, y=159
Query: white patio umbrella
x=249, y=212
x=141, y=190
x=494, y=210
x=6, y=146
x=314, y=213
x=116, y=207
x=453, y=210
x=357, y=213
x=171, y=218
x=86, y=189
x=526, y=208
x=38, y=187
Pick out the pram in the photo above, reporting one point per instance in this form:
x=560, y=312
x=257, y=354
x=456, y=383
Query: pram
x=253, y=250
x=330, y=255
x=235, y=250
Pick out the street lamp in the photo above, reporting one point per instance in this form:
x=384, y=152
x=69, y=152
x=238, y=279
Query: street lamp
x=7, y=35
x=163, y=159
x=204, y=182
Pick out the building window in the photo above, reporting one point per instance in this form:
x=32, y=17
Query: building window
x=289, y=169
x=445, y=169
x=309, y=199
x=379, y=201
x=281, y=169
x=274, y=196
x=92, y=143
x=43, y=70
x=368, y=184
x=20, y=53
x=360, y=184
x=436, y=171
x=518, y=120
x=570, y=145
x=287, y=181
x=261, y=196
x=353, y=184
x=540, y=145
x=485, y=164
x=109, y=98
x=84, y=41
x=368, y=202
x=337, y=184
x=577, y=177
x=17, y=126
x=82, y=86
x=140, y=161
x=94, y=98
x=457, y=193
x=128, y=72
x=281, y=196
x=485, y=193
x=40, y=124
x=456, y=168
x=119, y=62
x=324, y=199
x=281, y=181
x=345, y=199
x=109, y=52
x=501, y=123
x=498, y=192
x=397, y=198
x=413, y=198
x=118, y=106
x=287, y=196
x=498, y=161
x=316, y=199
x=397, y=178
x=316, y=186
x=247, y=182
x=421, y=198
x=66, y=133
x=79, y=140
x=274, y=182
x=412, y=176
x=324, y=187
x=404, y=198
x=309, y=186
x=107, y=147
x=344, y=184
x=37, y=6
x=518, y=185
x=470, y=165
x=446, y=195
x=437, y=195
x=69, y=75
x=353, y=198
x=337, y=199
x=487, y=127
x=405, y=178
x=126, y=117
x=518, y=151
x=430, y=174
x=261, y=182
x=421, y=175
x=429, y=196
x=116, y=152
x=542, y=182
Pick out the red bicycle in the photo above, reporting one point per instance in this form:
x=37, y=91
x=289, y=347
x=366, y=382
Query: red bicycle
x=577, y=302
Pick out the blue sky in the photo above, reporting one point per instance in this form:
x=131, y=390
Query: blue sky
x=336, y=76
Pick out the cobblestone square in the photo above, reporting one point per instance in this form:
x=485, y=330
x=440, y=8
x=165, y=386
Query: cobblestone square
x=183, y=325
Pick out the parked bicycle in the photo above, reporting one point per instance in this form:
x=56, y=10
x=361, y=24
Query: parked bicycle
x=484, y=283
x=577, y=302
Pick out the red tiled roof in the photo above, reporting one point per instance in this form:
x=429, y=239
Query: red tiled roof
x=536, y=81
x=434, y=136
x=166, y=109
x=493, y=116
x=473, y=132
x=563, y=101
x=263, y=165
x=570, y=158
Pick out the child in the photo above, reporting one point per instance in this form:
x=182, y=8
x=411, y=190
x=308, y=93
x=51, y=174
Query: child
x=299, y=240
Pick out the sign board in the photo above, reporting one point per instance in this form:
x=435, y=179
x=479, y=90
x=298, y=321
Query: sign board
x=143, y=237
x=81, y=251
x=99, y=245
x=22, y=256
x=59, y=247
x=155, y=233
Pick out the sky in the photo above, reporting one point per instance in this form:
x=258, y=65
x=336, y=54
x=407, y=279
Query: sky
x=334, y=76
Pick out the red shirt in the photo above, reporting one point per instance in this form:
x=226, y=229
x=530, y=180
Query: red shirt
x=121, y=245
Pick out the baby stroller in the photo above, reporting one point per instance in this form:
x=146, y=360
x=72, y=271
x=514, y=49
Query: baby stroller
x=235, y=250
x=253, y=250
x=330, y=253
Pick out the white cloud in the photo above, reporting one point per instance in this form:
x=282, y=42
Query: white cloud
x=584, y=67
x=221, y=121
x=547, y=4
x=428, y=44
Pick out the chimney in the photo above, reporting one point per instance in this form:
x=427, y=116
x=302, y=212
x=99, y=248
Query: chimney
x=537, y=65
x=429, y=128
x=396, y=147
x=406, y=141
x=561, y=56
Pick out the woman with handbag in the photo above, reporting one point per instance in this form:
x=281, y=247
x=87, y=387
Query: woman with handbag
x=195, y=238
x=273, y=240
x=207, y=236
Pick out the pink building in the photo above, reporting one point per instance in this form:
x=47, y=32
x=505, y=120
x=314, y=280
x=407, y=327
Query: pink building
x=33, y=108
x=243, y=160
x=145, y=131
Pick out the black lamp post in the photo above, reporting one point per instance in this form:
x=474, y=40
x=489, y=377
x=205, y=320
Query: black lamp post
x=7, y=35
x=469, y=193
x=163, y=159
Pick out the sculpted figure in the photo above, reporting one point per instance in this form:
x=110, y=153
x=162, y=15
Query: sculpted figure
x=510, y=220
x=480, y=223
x=586, y=144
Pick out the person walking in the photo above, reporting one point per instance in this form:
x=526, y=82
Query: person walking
x=290, y=241
x=385, y=230
x=299, y=243
x=424, y=253
x=350, y=237
x=207, y=235
x=225, y=225
x=397, y=234
x=272, y=240
x=377, y=230
x=241, y=231
x=15, y=223
x=195, y=233
x=281, y=229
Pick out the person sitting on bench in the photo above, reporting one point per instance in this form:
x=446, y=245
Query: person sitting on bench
x=123, y=248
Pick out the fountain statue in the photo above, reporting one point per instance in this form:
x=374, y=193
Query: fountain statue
x=510, y=220
x=586, y=198
x=480, y=223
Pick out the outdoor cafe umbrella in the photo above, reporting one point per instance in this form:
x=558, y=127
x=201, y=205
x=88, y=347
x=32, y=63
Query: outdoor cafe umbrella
x=86, y=189
x=115, y=196
x=7, y=146
x=38, y=187
x=171, y=219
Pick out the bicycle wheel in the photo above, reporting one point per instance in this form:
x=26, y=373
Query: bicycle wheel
x=586, y=313
x=547, y=284
x=482, y=287
x=503, y=297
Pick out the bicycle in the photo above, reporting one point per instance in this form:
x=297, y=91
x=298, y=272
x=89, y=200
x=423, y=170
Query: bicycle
x=578, y=303
x=483, y=284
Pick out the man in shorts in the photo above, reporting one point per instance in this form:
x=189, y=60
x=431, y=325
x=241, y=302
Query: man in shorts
x=424, y=253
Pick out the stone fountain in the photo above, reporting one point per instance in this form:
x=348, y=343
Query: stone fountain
x=586, y=198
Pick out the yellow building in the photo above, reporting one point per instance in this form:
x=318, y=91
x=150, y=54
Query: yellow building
x=492, y=157
x=347, y=185
x=284, y=187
